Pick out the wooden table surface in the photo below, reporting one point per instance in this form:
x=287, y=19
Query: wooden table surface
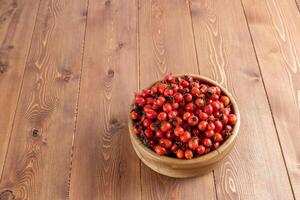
x=68, y=70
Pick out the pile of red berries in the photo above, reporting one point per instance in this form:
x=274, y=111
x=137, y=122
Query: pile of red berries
x=182, y=117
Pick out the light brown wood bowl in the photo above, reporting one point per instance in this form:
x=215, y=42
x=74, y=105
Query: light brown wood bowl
x=182, y=168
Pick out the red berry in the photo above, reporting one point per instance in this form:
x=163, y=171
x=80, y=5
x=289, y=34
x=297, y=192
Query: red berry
x=178, y=97
x=160, y=100
x=151, y=114
x=169, y=78
x=190, y=107
x=147, y=122
x=167, y=107
x=148, y=133
x=193, y=121
x=211, y=126
x=203, y=116
x=197, y=111
x=232, y=118
x=165, y=126
x=193, y=143
x=217, y=114
x=207, y=150
x=216, y=145
x=228, y=128
x=200, y=149
x=218, y=126
x=175, y=105
x=188, y=154
x=188, y=97
x=140, y=101
x=199, y=102
x=174, y=148
x=154, y=89
x=225, y=111
x=160, y=150
x=225, y=100
x=217, y=90
x=215, y=97
x=172, y=114
x=146, y=93
x=185, y=137
x=202, y=126
x=162, y=116
x=178, y=131
x=218, y=137
x=216, y=106
x=210, y=92
x=203, y=88
x=175, y=87
x=206, y=142
x=153, y=126
x=195, y=84
x=134, y=115
x=168, y=92
x=177, y=121
x=195, y=91
x=224, y=119
x=208, y=109
x=209, y=133
x=159, y=134
x=161, y=87
x=165, y=143
x=185, y=83
x=180, y=153
x=186, y=116
x=169, y=135
x=136, y=131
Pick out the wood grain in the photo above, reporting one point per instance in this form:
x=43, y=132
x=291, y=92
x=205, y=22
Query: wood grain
x=275, y=31
x=298, y=4
x=166, y=45
x=38, y=160
x=105, y=165
x=17, y=20
x=255, y=169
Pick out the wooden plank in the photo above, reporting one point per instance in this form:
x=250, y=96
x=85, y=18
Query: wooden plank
x=255, y=169
x=275, y=29
x=38, y=162
x=17, y=20
x=105, y=165
x=167, y=45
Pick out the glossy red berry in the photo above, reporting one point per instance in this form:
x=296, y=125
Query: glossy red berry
x=160, y=150
x=200, y=149
x=188, y=154
x=134, y=115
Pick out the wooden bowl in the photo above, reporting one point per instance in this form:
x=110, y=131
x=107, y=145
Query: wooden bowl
x=181, y=168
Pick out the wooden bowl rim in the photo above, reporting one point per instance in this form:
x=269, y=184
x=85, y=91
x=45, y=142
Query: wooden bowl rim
x=201, y=159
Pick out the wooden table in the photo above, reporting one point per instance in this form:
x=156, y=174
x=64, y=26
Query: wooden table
x=68, y=70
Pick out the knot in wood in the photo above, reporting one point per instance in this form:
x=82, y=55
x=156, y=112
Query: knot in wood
x=110, y=73
x=3, y=68
x=7, y=195
x=107, y=3
x=35, y=132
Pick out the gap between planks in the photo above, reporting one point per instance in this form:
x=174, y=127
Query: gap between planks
x=267, y=96
x=76, y=109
